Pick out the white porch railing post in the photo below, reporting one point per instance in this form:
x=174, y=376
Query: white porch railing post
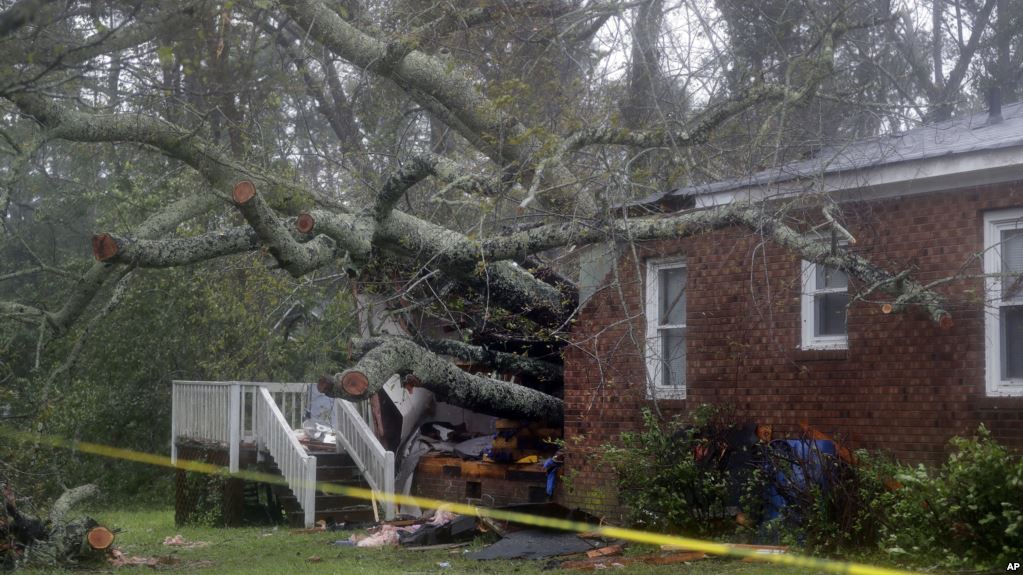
x=234, y=422
x=388, y=486
x=309, y=505
x=174, y=422
x=355, y=438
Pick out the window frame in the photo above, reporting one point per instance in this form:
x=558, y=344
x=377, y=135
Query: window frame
x=808, y=311
x=995, y=223
x=654, y=361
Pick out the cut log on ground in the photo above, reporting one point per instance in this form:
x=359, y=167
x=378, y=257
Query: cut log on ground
x=61, y=539
x=100, y=538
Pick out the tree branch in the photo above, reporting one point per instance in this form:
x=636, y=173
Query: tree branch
x=508, y=362
x=396, y=186
x=294, y=257
x=446, y=93
x=506, y=284
x=173, y=252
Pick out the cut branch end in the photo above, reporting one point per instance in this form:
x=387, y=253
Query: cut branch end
x=104, y=247
x=100, y=538
x=354, y=383
x=305, y=223
x=243, y=192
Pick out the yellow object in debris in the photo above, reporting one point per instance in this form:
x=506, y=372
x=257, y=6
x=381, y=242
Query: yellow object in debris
x=529, y=459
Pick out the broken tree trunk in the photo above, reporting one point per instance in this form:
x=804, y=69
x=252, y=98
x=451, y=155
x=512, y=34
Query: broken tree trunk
x=447, y=382
x=545, y=371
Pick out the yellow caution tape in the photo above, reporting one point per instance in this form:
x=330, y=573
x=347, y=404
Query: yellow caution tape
x=685, y=543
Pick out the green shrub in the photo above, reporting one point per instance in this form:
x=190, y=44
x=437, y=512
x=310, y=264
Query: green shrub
x=660, y=480
x=969, y=512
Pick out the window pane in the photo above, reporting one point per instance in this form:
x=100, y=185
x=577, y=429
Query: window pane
x=829, y=313
x=1012, y=341
x=830, y=278
x=673, y=357
x=1012, y=251
x=672, y=294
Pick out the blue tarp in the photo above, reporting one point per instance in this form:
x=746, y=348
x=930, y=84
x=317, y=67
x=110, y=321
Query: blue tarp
x=797, y=461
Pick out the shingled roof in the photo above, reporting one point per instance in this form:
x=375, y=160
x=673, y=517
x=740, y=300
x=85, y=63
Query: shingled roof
x=963, y=135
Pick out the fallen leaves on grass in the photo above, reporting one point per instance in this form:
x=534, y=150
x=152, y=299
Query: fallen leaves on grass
x=179, y=541
x=118, y=559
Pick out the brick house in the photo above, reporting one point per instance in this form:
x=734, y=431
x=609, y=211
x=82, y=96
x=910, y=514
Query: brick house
x=729, y=318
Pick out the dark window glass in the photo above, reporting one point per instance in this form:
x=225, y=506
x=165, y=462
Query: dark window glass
x=1012, y=342
x=830, y=313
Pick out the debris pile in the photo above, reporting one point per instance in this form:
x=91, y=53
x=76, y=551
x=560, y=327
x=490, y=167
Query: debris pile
x=440, y=528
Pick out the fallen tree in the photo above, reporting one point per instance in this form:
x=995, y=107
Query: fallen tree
x=59, y=539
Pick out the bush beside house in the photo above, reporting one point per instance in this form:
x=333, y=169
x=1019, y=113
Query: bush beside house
x=675, y=475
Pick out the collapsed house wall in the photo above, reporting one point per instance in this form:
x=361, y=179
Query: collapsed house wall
x=488, y=484
x=903, y=384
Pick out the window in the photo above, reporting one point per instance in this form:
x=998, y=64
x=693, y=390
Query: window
x=1003, y=323
x=824, y=301
x=666, y=328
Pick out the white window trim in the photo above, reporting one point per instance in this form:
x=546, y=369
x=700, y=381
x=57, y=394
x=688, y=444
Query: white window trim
x=808, y=311
x=994, y=224
x=654, y=389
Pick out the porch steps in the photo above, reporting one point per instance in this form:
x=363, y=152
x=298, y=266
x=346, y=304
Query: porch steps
x=336, y=469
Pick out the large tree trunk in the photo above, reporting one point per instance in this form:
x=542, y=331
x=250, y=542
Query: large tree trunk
x=422, y=368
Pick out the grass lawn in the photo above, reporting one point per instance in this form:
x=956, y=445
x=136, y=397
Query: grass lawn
x=261, y=550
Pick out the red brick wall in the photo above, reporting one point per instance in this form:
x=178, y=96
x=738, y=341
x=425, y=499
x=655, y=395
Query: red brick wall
x=904, y=384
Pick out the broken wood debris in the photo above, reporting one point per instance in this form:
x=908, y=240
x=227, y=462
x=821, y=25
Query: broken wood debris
x=598, y=563
x=605, y=551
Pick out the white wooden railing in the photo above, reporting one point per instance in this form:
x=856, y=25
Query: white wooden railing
x=275, y=436
x=291, y=398
x=266, y=414
x=209, y=410
x=356, y=438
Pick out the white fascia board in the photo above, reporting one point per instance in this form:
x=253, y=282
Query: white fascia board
x=890, y=181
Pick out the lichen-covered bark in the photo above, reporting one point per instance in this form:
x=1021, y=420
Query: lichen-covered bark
x=504, y=283
x=70, y=498
x=507, y=362
x=293, y=256
x=396, y=186
x=353, y=235
x=753, y=217
x=217, y=168
x=182, y=251
x=447, y=382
